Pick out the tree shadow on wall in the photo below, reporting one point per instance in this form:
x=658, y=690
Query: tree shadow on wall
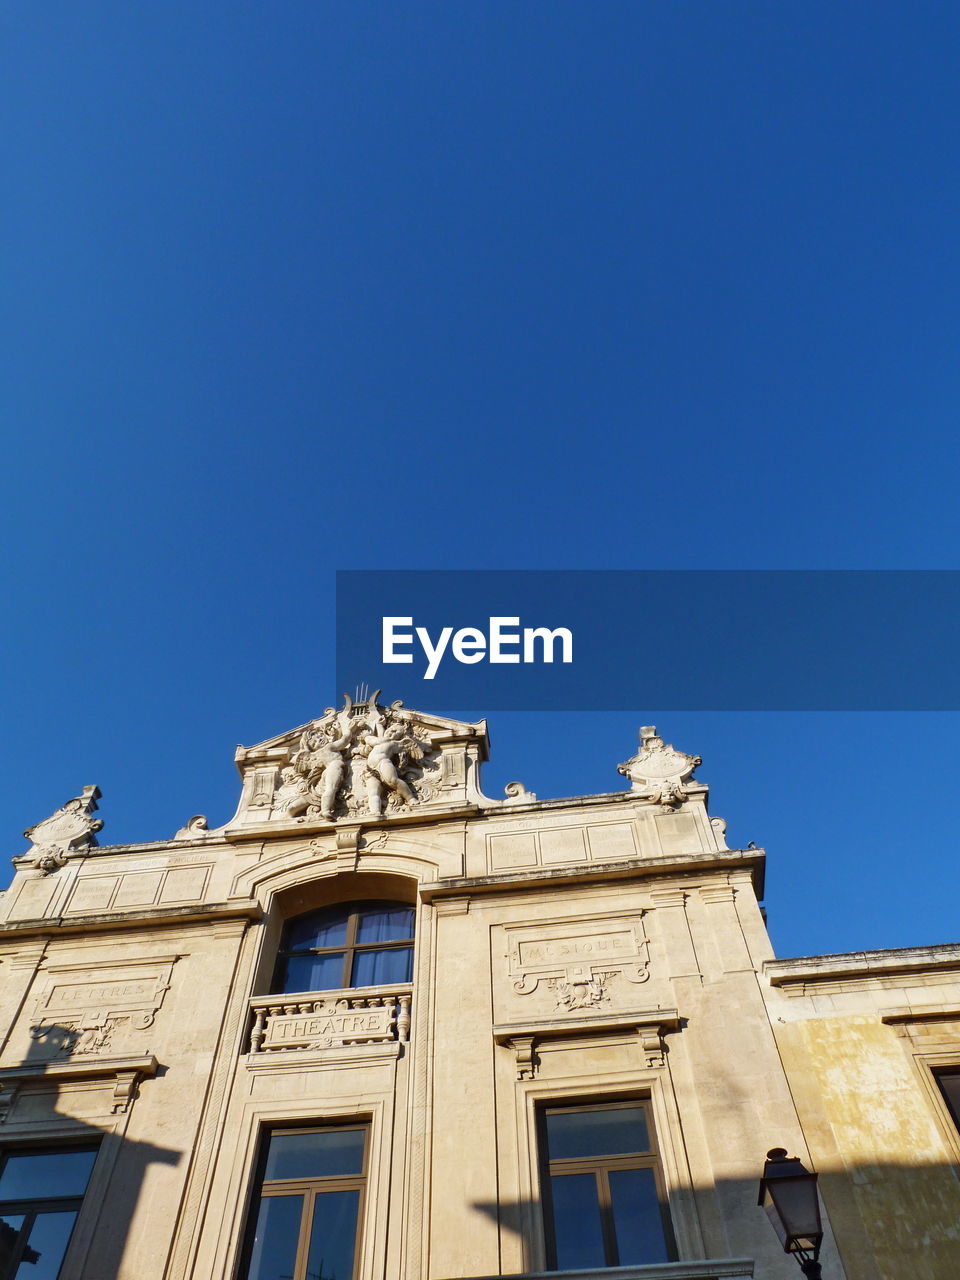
x=885, y=1221
x=42, y=1104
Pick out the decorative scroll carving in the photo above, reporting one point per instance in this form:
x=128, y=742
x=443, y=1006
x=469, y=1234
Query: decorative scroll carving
x=658, y=771
x=71, y=829
x=527, y=1060
x=577, y=960
x=363, y=759
x=84, y=1008
x=8, y=1096
x=196, y=828
x=652, y=1044
x=517, y=793
x=124, y=1090
x=331, y=1020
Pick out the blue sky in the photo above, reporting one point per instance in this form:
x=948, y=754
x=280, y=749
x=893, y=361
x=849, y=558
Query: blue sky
x=297, y=287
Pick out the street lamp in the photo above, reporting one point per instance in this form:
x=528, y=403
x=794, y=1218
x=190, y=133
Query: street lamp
x=788, y=1193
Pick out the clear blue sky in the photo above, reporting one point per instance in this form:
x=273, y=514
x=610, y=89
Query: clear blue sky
x=303, y=286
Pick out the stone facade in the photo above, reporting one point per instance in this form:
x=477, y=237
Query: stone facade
x=583, y=950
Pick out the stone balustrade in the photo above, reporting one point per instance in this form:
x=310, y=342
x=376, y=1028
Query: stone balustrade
x=713, y=1269
x=330, y=1019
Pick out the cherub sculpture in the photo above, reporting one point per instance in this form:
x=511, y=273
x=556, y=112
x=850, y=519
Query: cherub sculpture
x=321, y=764
x=390, y=752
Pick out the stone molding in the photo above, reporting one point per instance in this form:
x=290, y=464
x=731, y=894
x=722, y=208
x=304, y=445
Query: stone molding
x=242, y=911
x=651, y=1027
x=126, y=1072
x=589, y=873
x=794, y=975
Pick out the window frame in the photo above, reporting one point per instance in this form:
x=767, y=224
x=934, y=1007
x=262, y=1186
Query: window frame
x=948, y=1069
x=31, y=1207
x=601, y=1167
x=309, y=1188
x=350, y=948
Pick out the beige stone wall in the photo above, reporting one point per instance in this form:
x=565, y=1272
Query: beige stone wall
x=594, y=948
x=859, y=1048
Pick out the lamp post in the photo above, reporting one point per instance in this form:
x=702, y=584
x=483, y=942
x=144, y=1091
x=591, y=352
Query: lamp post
x=788, y=1193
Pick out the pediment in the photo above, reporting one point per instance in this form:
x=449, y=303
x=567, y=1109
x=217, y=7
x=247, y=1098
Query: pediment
x=364, y=759
x=438, y=728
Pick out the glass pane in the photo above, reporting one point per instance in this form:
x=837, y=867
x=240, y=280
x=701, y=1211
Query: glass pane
x=326, y=1153
x=636, y=1217
x=323, y=930
x=949, y=1082
x=42, y=1175
x=577, y=1233
x=275, y=1243
x=393, y=924
x=313, y=973
x=10, y=1225
x=333, y=1236
x=375, y=968
x=48, y=1242
x=610, y=1132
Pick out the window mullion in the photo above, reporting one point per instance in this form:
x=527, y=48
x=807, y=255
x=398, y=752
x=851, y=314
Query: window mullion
x=16, y=1257
x=303, y=1244
x=606, y=1218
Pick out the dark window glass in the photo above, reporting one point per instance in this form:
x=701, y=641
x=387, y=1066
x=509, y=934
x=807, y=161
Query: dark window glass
x=42, y=1174
x=10, y=1225
x=277, y=1237
x=377, y=968
x=577, y=1226
x=305, y=1225
x=333, y=1236
x=604, y=1202
x=613, y=1132
x=949, y=1082
x=41, y=1192
x=359, y=944
x=46, y=1245
x=323, y=1153
x=395, y=924
x=637, y=1221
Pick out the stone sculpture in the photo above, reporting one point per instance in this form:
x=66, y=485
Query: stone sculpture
x=71, y=829
x=658, y=771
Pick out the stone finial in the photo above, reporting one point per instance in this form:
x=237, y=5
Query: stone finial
x=71, y=829
x=658, y=771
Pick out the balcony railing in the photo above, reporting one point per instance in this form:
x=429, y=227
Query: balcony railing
x=714, y=1269
x=330, y=1019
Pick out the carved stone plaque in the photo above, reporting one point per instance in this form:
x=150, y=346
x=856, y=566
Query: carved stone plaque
x=85, y=1007
x=337, y=1024
x=577, y=959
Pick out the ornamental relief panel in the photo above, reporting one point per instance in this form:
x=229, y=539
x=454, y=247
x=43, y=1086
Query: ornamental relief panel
x=89, y=1010
x=364, y=759
x=594, y=965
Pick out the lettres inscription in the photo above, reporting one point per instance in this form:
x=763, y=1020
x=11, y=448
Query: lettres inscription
x=77, y=1016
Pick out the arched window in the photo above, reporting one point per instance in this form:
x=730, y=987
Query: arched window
x=354, y=944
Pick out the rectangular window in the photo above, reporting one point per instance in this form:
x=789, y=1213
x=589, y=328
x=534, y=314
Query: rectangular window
x=604, y=1202
x=949, y=1082
x=306, y=1218
x=41, y=1190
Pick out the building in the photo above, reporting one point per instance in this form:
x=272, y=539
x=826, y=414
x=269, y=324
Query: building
x=381, y=1026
